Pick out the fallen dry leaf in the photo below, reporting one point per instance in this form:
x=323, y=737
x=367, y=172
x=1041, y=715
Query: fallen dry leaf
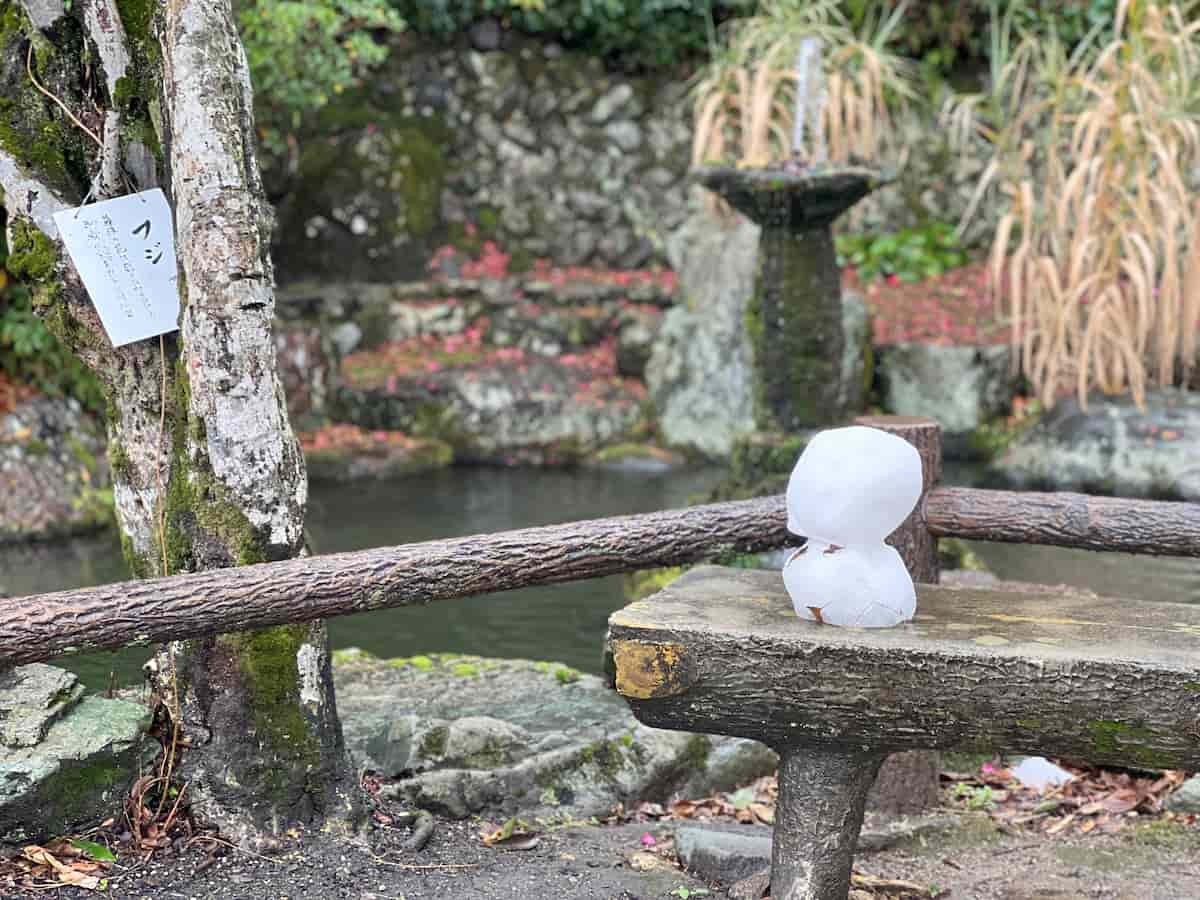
x=518, y=842
x=76, y=875
x=512, y=835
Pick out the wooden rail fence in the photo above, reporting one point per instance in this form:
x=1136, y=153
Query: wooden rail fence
x=42, y=626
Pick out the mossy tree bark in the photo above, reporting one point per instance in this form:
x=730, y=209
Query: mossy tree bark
x=207, y=472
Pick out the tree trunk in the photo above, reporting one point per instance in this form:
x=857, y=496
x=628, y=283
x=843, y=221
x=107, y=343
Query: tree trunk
x=206, y=470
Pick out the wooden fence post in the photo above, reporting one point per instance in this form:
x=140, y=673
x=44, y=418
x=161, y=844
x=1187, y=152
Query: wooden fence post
x=908, y=782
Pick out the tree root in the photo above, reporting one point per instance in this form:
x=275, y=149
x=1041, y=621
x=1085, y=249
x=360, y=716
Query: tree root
x=421, y=823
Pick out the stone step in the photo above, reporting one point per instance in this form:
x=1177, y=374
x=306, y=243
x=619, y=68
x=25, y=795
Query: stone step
x=523, y=409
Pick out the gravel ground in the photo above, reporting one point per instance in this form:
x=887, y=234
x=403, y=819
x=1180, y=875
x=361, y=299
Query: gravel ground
x=1156, y=861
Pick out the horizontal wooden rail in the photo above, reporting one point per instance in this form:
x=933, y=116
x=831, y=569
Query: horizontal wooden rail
x=43, y=626
x=1061, y=519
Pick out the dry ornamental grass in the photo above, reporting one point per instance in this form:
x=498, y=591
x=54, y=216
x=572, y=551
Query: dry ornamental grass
x=746, y=99
x=1096, y=254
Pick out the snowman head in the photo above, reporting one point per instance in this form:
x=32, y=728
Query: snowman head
x=849, y=490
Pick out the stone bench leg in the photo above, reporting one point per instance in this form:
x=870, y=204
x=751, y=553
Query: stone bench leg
x=822, y=794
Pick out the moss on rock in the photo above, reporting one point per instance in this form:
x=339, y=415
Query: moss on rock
x=954, y=553
x=376, y=172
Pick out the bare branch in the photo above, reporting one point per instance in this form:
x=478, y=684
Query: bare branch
x=103, y=24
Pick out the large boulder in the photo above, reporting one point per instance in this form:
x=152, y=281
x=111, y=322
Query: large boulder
x=53, y=471
x=700, y=373
x=701, y=370
x=1112, y=448
x=463, y=736
x=65, y=759
x=961, y=387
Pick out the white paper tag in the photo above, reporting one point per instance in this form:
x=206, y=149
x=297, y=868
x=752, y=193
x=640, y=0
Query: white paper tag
x=124, y=250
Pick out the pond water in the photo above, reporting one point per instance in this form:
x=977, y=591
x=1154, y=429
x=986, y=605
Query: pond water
x=564, y=622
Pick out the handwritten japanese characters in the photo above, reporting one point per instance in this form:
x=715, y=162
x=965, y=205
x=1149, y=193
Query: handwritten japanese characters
x=124, y=250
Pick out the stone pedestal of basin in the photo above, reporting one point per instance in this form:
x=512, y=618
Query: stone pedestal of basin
x=795, y=318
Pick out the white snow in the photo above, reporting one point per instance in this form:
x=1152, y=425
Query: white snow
x=849, y=490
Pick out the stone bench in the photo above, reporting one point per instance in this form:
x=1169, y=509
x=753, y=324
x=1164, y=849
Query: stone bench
x=1038, y=670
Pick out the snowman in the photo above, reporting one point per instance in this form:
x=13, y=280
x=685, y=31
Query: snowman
x=850, y=489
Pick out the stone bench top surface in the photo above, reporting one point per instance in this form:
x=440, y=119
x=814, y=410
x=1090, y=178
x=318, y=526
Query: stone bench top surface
x=1022, y=668
x=1017, y=620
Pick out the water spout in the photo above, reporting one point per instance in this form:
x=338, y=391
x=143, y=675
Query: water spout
x=810, y=97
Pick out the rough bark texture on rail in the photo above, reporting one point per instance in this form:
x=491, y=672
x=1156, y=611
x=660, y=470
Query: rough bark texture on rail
x=42, y=626
x=720, y=651
x=1066, y=520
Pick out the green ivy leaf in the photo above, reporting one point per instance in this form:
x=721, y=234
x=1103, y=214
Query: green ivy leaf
x=98, y=852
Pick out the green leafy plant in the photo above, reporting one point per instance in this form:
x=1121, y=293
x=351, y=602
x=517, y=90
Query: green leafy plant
x=30, y=353
x=683, y=893
x=978, y=798
x=304, y=53
x=913, y=254
x=640, y=34
x=949, y=37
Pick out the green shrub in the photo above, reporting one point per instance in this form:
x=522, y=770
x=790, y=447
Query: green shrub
x=951, y=35
x=911, y=255
x=945, y=35
x=303, y=53
x=647, y=33
x=29, y=353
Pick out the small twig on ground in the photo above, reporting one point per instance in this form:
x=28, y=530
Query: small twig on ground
x=235, y=847
x=428, y=867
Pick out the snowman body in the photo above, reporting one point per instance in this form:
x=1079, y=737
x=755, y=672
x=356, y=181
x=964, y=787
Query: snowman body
x=849, y=490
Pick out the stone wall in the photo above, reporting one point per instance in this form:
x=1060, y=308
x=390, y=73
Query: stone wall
x=546, y=153
x=471, y=250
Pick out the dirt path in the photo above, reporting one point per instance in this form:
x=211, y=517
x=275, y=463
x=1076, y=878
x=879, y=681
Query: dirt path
x=1155, y=861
